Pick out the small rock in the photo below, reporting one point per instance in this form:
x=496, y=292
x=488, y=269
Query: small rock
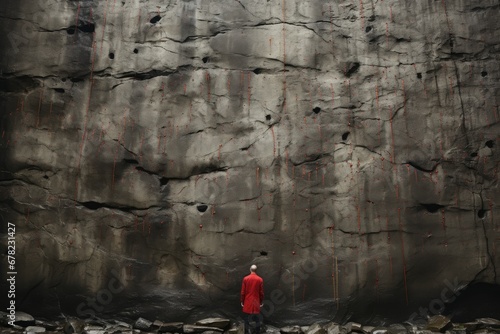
x=332, y=328
x=379, y=330
x=315, y=329
x=271, y=329
x=353, y=327
x=397, y=329
x=74, y=325
x=24, y=319
x=489, y=322
x=438, y=323
x=199, y=329
x=367, y=329
x=123, y=324
x=172, y=327
x=143, y=324
x=214, y=322
x=471, y=326
x=291, y=330
x=35, y=329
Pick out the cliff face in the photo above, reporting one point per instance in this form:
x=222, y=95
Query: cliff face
x=152, y=150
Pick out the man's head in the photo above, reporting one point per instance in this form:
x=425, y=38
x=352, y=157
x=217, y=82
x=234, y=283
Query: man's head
x=253, y=268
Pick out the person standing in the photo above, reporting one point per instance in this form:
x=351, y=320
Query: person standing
x=252, y=298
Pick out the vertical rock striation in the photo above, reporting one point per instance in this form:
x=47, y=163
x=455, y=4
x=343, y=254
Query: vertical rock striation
x=152, y=150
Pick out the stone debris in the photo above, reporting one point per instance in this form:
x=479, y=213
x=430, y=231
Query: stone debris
x=434, y=325
x=438, y=323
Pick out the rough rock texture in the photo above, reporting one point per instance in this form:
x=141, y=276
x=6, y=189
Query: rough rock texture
x=152, y=150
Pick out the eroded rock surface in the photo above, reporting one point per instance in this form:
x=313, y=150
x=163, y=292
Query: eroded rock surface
x=152, y=150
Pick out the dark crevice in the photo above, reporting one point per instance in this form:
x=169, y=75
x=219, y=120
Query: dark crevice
x=432, y=207
x=86, y=27
x=420, y=168
x=481, y=214
x=202, y=207
x=155, y=19
x=268, y=117
x=353, y=68
x=131, y=161
x=164, y=181
x=263, y=253
x=92, y=205
x=345, y=135
x=489, y=144
x=257, y=71
x=316, y=110
x=59, y=90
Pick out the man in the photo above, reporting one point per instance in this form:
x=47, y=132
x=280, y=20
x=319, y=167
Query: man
x=252, y=297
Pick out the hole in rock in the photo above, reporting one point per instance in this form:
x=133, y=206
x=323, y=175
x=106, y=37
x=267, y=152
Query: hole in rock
x=345, y=135
x=86, y=27
x=205, y=59
x=268, y=117
x=63, y=79
x=136, y=51
x=71, y=30
x=481, y=213
x=111, y=55
x=432, y=207
x=257, y=71
x=155, y=19
x=263, y=253
x=163, y=181
x=484, y=73
x=91, y=205
x=45, y=177
x=76, y=79
x=489, y=144
x=477, y=300
x=353, y=68
x=368, y=29
x=419, y=75
x=473, y=154
x=59, y=90
x=131, y=161
x=202, y=207
x=316, y=110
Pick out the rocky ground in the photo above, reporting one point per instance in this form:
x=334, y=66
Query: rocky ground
x=26, y=323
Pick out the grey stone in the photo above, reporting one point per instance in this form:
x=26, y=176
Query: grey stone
x=438, y=323
x=214, y=322
x=397, y=329
x=332, y=328
x=491, y=322
x=291, y=330
x=74, y=325
x=173, y=327
x=199, y=329
x=258, y=125
x=354, y=327
x=143, y=324
x=315, y=329
x=35, y=329
x=24, y=319
x=379, y=330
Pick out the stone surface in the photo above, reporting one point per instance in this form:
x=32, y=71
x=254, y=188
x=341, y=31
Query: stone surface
x=199, y=329
x=143, y=324
x=315, y=329
x=291, y=330
x=35, y=329
x=150, y=151
x=438, y=323
x=24, y=319
x=220, y=323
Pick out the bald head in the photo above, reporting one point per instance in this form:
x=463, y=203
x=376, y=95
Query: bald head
x=253, y=268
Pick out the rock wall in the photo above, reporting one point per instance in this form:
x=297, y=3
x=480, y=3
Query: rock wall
x=152, y=150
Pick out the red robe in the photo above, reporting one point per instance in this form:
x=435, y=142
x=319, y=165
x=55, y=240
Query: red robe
x=252, y=293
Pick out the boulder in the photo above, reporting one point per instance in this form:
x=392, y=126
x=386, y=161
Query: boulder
x=35, y=329
x=438, y=323
x=214, y=322
x=315, y=329
x=199, y=329
x=74, y=325
x=143, y=324
x=24, y=319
